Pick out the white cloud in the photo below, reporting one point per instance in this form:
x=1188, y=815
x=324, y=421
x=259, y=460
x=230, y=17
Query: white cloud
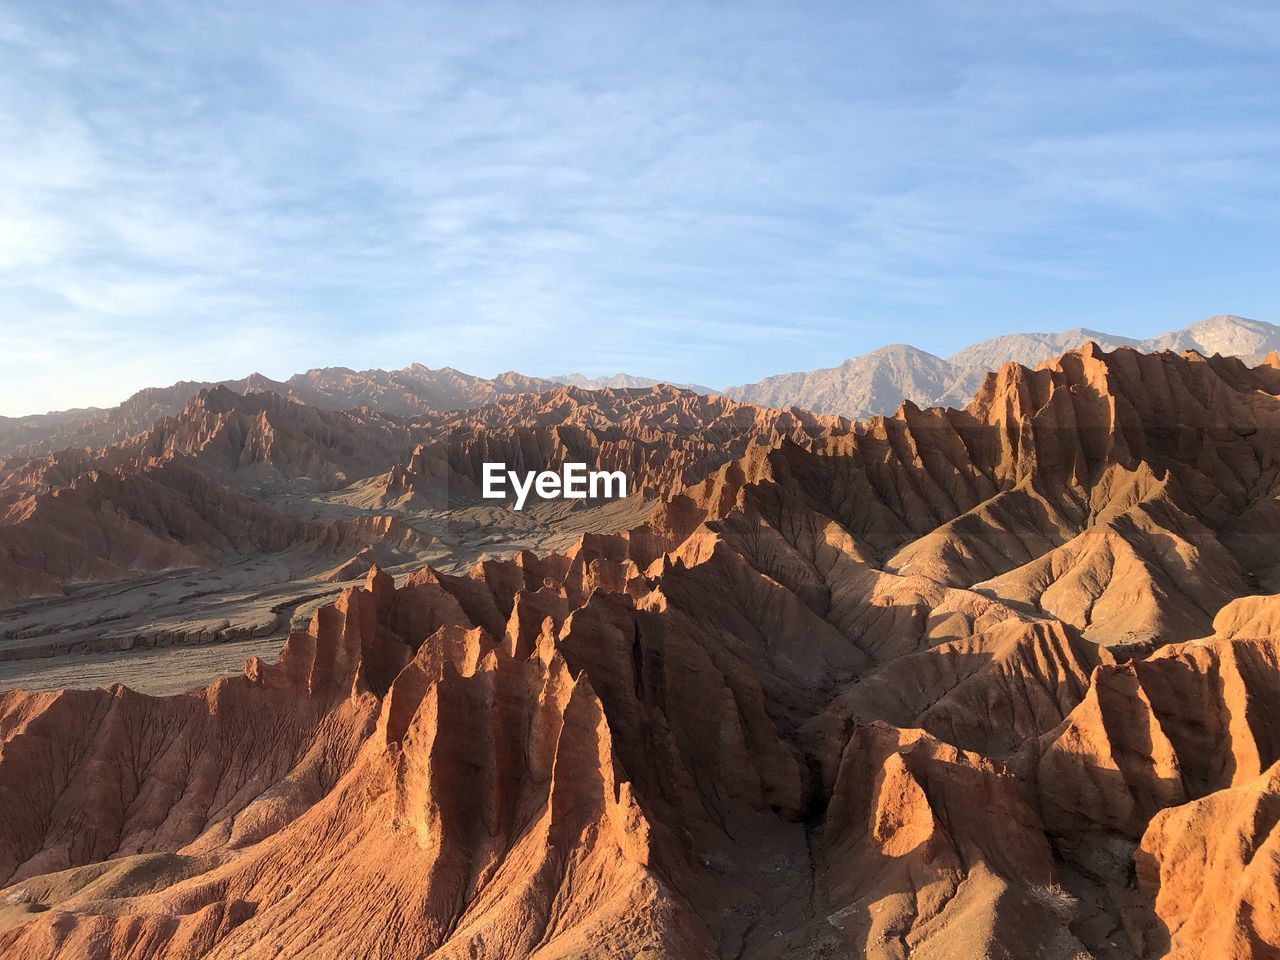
x=201, y=191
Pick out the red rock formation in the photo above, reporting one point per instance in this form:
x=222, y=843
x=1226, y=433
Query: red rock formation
x=414, y=390
x=661, y=437
x=927, y=686
x=1211, y=867
x=935, y=852
x=196, y=489
x=189, y=493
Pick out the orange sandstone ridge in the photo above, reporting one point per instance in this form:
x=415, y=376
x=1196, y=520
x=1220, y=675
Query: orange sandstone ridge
x=999, y=682
x=204, y=488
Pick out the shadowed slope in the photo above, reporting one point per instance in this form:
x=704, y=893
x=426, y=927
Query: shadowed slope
x=925, y=687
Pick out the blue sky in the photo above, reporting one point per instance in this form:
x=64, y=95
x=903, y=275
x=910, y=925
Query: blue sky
x=698, y=192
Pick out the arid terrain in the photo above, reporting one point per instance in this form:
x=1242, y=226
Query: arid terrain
x=1000, y=681
x=862, y=386
x=879, y=381
x=239, y=516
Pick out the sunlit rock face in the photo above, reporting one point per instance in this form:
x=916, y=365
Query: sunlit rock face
x=993, y=682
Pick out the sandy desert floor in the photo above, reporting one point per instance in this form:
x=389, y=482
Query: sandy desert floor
x=180, y=630
x=155, y=671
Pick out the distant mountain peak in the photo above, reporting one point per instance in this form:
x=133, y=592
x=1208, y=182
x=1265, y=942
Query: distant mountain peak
x=878, y=382
x=624, y=380
x=861, y=386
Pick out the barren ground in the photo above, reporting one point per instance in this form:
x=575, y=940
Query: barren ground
x=180, y=630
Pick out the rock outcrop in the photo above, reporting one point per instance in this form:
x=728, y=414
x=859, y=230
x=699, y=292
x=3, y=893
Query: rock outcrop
x=413, y=390
x=228, y=476
x=994, y=682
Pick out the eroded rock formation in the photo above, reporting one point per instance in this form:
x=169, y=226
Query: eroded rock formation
x=212, y=484
x=998, y=682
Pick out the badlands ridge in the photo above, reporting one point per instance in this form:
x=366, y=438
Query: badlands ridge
x=993, y=682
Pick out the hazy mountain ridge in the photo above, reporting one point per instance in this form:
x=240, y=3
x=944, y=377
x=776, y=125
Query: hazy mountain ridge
x=862, y=386
x=623, y=381
x=860, y=383
x=411, y=391
x=1033, y=348
x=878, y=382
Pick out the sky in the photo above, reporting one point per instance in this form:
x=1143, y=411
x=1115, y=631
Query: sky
x=695, y=192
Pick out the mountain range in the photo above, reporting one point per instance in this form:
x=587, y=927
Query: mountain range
x=994, y=681
x=622, y=380
x=877, y=382
x=234, y=479
x=412, y=390
x=859, y=387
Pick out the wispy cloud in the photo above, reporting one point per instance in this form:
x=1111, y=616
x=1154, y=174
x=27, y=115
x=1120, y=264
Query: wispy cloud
x=198, y=191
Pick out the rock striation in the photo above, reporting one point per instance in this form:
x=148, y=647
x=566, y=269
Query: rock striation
x=191, y=491
x=661, y=437
x=993, y=682
x=230, y=476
